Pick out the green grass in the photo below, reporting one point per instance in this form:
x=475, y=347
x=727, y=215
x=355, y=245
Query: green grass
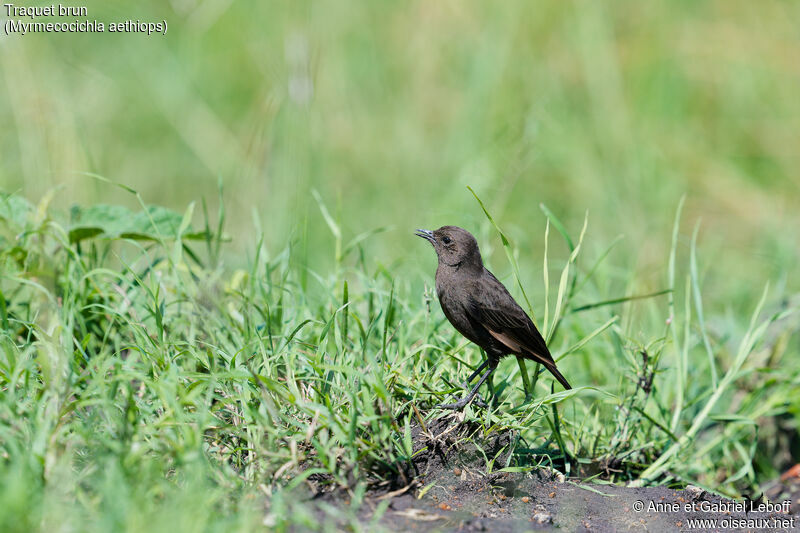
x=145, y=386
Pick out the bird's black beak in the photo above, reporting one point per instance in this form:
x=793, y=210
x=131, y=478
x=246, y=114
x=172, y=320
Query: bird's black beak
x=426, y=234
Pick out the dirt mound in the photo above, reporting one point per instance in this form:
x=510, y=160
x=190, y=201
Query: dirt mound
x=463, y=480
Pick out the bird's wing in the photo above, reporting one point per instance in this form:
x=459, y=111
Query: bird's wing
x=497, y=311
x=506, y=321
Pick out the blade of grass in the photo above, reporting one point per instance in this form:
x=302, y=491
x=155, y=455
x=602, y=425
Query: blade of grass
x=546, y=276
x=619, y=300
x=562, y=298
x=698, y=304
x=681, y=367
x=332, y=225
x=578, y=345
x=559, y=226
x=3, y=312
x=598, y=263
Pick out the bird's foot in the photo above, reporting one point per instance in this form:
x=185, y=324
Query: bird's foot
x=479, y=401
x=454, y=406
x=463, y=402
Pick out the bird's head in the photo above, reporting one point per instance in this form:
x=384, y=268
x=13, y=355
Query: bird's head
x=454, y=246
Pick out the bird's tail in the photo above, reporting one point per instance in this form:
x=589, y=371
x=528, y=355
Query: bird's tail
x=561, y=379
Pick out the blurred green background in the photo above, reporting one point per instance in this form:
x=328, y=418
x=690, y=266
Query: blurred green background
x=390, y=109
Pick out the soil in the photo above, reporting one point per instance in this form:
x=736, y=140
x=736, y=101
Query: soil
x=450, y=491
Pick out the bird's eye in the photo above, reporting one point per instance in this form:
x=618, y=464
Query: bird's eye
x=446, y=239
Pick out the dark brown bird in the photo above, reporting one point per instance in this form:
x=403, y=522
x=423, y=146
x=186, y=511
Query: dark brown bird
x=481, y=308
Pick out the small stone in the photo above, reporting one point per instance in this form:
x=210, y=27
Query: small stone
x=541, y=516
x=457, y=472
x=695, y=491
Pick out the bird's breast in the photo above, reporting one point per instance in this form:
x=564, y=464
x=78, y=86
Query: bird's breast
x=455, y=309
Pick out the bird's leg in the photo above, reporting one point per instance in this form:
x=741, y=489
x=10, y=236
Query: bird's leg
x=479, y=401
x=460, y=404
x=477, y=371
x=490, y=387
